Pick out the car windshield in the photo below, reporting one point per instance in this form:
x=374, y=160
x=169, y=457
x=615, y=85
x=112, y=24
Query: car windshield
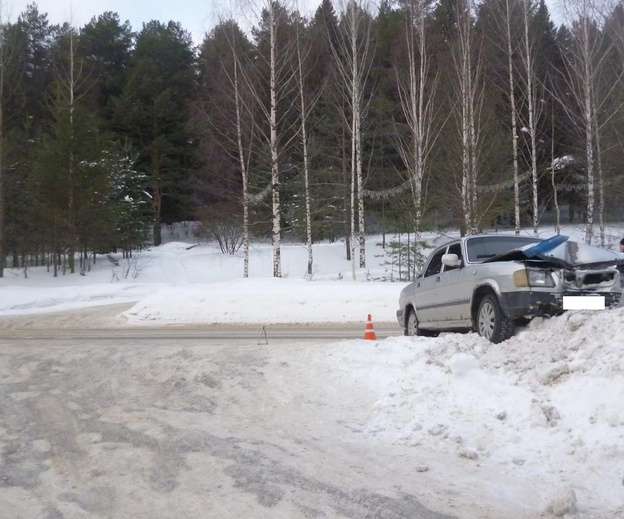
x=579, y=253
x=485, y=247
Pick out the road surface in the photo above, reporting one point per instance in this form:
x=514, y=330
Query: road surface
x=194, y=422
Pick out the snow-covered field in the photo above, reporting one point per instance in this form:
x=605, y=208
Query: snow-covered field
x=533, y=427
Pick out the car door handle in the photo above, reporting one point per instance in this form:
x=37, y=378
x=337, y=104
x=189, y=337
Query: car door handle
x=437, y=279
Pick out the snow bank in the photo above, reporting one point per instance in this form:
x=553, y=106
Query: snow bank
x=269, y=301
x=546, y=404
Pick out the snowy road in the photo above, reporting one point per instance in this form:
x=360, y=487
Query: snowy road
x=102, y=419
x=217, y=334
x=185, y=430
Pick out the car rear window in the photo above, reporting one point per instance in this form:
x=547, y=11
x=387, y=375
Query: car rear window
x=485, y=247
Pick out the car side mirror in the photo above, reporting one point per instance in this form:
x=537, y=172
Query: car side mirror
x=451, y=260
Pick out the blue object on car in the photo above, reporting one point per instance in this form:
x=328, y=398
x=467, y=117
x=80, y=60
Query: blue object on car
x=544, y=246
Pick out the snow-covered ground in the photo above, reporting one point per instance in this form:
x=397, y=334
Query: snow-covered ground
x=536, y=422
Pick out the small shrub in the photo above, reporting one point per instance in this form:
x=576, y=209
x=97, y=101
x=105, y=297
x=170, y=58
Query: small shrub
x=131, y=267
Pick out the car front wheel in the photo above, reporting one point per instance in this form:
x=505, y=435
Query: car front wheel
x=492, y=323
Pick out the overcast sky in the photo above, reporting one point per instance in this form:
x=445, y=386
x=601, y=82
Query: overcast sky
x=196, y=16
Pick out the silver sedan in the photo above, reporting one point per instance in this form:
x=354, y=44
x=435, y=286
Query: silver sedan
x=490, y=283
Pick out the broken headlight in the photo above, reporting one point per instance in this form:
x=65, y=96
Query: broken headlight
x=531, y=277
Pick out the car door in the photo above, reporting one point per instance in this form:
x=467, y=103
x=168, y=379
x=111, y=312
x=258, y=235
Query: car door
x=425, y=300
x=453, y=291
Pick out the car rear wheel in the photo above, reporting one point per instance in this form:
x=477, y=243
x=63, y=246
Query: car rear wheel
x=412, y=329
x=411, y=324
x=492, y=323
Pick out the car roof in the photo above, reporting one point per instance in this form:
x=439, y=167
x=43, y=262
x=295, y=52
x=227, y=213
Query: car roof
x=486, y=235
x=499, y=235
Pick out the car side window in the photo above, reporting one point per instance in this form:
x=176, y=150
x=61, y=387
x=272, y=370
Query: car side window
x=435, y=265
x=453, y=249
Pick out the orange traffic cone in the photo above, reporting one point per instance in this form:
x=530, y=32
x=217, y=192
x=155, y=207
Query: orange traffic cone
x=369, y=334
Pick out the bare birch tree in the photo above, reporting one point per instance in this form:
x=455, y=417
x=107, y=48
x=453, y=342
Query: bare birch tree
x=533, y=106
x=242, y=151
x=352, y=57
x=417, y=93
x=305, y=106
x=228, y=112
x=552, y=175
x=510, y=47
x=466, y=54
x=242, y=157
x=586, y=62
x=614, y=30
x=276, y=231
x=279, y=84
x=506, y=37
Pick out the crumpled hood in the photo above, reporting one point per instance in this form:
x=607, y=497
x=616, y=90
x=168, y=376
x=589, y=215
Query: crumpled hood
x=560, y=252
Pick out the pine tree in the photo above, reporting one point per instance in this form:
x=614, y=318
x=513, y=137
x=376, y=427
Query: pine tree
x=106, y=45
x=153, y=111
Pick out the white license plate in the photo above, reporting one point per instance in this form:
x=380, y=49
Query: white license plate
x=583, y=302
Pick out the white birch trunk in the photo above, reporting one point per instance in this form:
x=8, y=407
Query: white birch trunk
x=352, y=63
x=360, y=191
x=529, y=64
x=417, y=110
x=355, y=184
x=473, y=151
x=356, y=133
x=555, y=198
x=353, y=191
x=275, y=180
x=589, y=127
x=589, y=57
x=423, y=126
x=306, y=167
x=601, y=204
x=243, y=165
x=514, y=117
x=467, y=126
x=552, y=176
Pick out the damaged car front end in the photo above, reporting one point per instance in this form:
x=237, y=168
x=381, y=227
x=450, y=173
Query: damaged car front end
x=557, y=271
x=491, y=283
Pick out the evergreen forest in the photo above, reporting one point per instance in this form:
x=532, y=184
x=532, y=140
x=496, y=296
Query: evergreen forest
x=396, y=117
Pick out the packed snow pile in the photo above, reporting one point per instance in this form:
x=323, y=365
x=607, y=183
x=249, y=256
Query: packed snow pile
x=185, y=283
x=268, y=301
x=546, y=404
